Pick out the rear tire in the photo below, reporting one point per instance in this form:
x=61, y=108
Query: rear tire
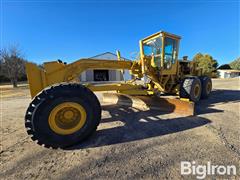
x=206, y=86
x=191, y=88
x=39, y=112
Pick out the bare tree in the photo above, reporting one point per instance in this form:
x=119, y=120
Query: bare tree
x=12, y=64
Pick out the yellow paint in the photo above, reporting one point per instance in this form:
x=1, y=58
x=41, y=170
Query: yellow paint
x=137, y=92
x=67, y=118
x=118, y=55
x=34, y=76
x=112, y=87
x=185, y=99
x=196, y=90
x=209, y=87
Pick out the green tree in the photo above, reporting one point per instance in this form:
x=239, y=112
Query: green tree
x=206, y=62
x=235, y=64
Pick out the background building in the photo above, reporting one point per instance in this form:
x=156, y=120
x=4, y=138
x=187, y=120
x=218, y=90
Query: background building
x=228, y=73
x=96, y=75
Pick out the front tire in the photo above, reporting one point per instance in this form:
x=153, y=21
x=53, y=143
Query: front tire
x=62, y=115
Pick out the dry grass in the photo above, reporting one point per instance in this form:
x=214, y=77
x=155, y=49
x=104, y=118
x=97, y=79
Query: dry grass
x=8, y=91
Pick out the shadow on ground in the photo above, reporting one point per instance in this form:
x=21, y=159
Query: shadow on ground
x=217, y=97
x=137, y=124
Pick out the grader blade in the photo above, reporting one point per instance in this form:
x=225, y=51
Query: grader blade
x=151, y=102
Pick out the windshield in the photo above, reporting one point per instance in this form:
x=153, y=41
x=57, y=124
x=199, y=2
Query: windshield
x=153, y=47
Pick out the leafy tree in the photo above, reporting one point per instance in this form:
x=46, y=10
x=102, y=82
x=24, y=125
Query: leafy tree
x=235, y=64
x=206, y=62
x=12, y=64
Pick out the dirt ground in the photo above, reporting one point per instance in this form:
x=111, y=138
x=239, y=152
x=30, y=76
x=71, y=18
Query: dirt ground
x=128, y=144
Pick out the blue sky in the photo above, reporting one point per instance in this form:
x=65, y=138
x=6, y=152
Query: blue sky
x=69, y=30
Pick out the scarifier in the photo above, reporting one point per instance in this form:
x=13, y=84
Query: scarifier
x=64, y=112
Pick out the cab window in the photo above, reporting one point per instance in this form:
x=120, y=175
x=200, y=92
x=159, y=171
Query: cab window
x=170, y=52
x=154, y=48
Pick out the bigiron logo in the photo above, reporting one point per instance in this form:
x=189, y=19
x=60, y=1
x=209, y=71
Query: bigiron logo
x=201, y=171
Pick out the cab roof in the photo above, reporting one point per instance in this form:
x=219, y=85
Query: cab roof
x=164, y=33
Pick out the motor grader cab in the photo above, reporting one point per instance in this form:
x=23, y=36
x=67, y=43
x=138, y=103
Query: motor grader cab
x=64, y=112
x=162, y=49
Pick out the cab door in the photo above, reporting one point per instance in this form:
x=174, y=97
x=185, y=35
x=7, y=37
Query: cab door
x=170, y=54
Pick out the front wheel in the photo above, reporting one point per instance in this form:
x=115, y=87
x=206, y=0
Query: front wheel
x=63, y=115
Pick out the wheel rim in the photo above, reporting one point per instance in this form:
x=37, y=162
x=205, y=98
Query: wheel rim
x=208, y=87
x=196, y=90
x=67, y=118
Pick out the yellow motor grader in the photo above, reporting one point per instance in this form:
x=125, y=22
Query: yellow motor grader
x=64, y=112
